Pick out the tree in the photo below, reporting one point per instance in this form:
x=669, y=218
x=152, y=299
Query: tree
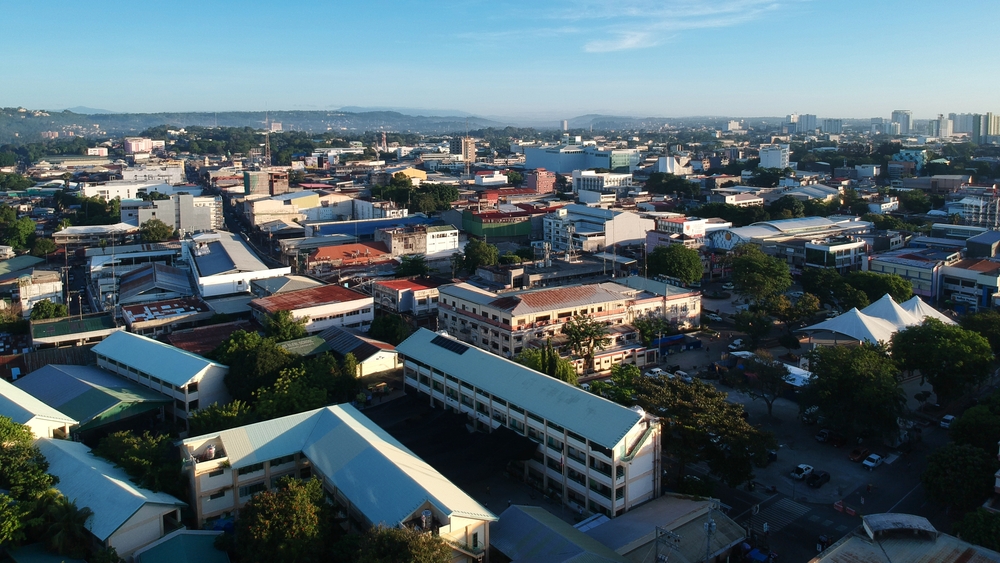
x=986, y=323
x=585, y=336
x=283, y=525
x=46, y=309
x=43, y=247
x=216, y=418
x=755, y=325
x=383, y=544
x=412, y=265
x=548, y=361
x=700, y=424
x=758, y=276
x=22, y=465
x=764, y=378
x=979, y=426
x=857, y=389
x=291, y=393
x=18, y=233
x=479, y=253
x=253, y=361
x=282, y=326
x=960, y=476
x=155, y=230
x=389, y=328
x=620, y=387
x=662, y=183
x=652, y=327
x=67, y=532
x=150, y=460
x=875, y=285
x=949, y=357
x=515, y=178
x=980, y=527
x=12, y=517
x=676, y=261
x=787, y=207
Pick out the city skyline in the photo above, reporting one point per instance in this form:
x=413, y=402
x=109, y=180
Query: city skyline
x=751, y=58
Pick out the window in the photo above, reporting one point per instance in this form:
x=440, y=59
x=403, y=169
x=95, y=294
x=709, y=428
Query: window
x=250, y=469
x=193, y=405
x=217, y=495
x=555, y=427
x=216, y=473
x=282, y=460
x=536, y=418
x=475, y=540
x=248, y=490
x=192, y=387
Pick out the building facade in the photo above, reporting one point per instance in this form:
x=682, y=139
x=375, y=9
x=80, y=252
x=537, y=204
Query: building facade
x=581, y=228
x=774, y=156
x=185, y=213
x=321, y=307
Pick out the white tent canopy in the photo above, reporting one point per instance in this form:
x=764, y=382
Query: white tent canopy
x=857, y=326
x=921, y=310
x=888, y=310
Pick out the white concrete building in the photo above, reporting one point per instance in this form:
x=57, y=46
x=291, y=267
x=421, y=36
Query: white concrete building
x=416, y=297
x=185, y=213
x=39, y=286
x=600, y=181
x=593, y=455
x=592, y=230
x=134, y=145
x=192, y=381
x=222, y=264
x=322, y=307
x=676, y=165
x=172, y=174
x=494, y=178
x=572, y=154
x=774, y=156
x=122, y=189
x=366, y=472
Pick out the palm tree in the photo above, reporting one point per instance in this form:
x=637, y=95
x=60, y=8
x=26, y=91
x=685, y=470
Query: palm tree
x=67, y=533
x=586, y=336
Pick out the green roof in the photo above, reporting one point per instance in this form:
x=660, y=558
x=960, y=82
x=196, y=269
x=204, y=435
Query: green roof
x=184, y=546
x=18, y=263
x=36, y=553
x=49, y=328
x=308, y=346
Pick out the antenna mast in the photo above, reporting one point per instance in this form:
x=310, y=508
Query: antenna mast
x=465, y=141
x=267, y=141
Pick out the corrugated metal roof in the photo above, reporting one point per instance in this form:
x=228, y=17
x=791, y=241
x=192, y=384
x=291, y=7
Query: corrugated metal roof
x=98, y=485
x=226, y=253
x=284, y=284
x=533, y=533
x=593, y=417
x=172, y=365
x=382, y=479
x=86, y=392
x=154, y=276
x=307, y=346
x=184, y=546
x=21, y=406
x=304, y=298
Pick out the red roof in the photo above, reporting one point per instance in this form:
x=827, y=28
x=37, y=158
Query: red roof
x=415, y=285
x=203, y=340
x=303, y=298
x=349, y=254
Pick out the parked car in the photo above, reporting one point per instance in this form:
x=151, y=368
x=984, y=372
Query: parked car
x=728, y=285
x=946, y=420
x=713, y=317
x=683, y=376
x=810, y=415
x=802, y=471
x=828, y=437
x=859, y=453
x=736, y=344
x=795, y=294
x=823, y=436
x=817, y=479
x=656, y=372
x=872, y=461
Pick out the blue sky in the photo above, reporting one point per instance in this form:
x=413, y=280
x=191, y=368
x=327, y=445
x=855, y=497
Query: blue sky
x=547, y=58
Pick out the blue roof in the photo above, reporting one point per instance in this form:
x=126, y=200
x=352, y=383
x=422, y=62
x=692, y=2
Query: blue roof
x=172, y=365
x=368, y=228
x=215, y=262
x=22, y=407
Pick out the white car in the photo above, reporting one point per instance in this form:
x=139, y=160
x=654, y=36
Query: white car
x=713, y=317
x=728, y=285
x=656, y=372
x=872, y=461
x=946, y=420
x=795, y=294
x=736, y=344
x=802, y=471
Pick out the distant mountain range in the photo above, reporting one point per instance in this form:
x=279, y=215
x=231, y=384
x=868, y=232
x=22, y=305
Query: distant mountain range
x=84, y=110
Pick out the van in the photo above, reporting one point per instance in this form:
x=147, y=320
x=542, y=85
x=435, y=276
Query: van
x=683, y=376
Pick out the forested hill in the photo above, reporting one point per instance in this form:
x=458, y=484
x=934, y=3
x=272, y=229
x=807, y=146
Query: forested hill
x=25, y=125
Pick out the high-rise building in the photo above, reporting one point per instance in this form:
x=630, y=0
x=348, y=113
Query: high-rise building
x=465, y=146
x=541, y=180
x=807, y=123
x=774, y=156
x=902, y=117
x=137, y=144
x=877, y=126
x=833, y=126
x=940, y=127
x=565, y=125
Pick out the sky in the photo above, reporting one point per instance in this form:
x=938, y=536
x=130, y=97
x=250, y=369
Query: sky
x=551, y=59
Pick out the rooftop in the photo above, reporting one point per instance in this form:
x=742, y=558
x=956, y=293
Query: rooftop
x=97, y=484
x=356, y=253
x=18, y=263
x=573, y=408
x=202, y=340
x=384, y=480
x=161, y=310
x=50, y=328
x=531, y=533
x=413, y=285
x=284, y=284
x=172, y=365
x=222, y=253
x=305, y=298
x=97, y=229
x=21, y=406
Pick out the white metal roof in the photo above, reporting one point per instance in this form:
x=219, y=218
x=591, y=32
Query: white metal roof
x=921, y=310
x=22, y=407
x=381, y=477
x=858, y=326
x=888, y=310
x=172, y=365
x=589, y=415
x=98, y=485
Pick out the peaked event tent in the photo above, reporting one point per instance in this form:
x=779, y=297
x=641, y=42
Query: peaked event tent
x=880, y=320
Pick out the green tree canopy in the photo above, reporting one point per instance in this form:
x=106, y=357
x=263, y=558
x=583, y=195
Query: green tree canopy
x=19, y=233
x=758, y=276
x=216, y=418
x=764, y=378
x=857, y=388
x=755, y=325
x=150, y=460
x=958, y=475
x=620, y=387
x=676, y=261
x=787, y=207
x=383, y=544
x=253, y=361
x=46, y=309
x=949, y=357
x=979, y=426
x=980, y=527
x=282, y=326
x=284, y=525
x=413, y=265
x=22, y=465
x=986, y=323
x=548, y=361
x=43, y=247
x=154, y=230
x=875, y=285
x=66, y=532
x=293, y=392
x=662, y=183
x=586, y=336
x=479, y=253
x=389, y=328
